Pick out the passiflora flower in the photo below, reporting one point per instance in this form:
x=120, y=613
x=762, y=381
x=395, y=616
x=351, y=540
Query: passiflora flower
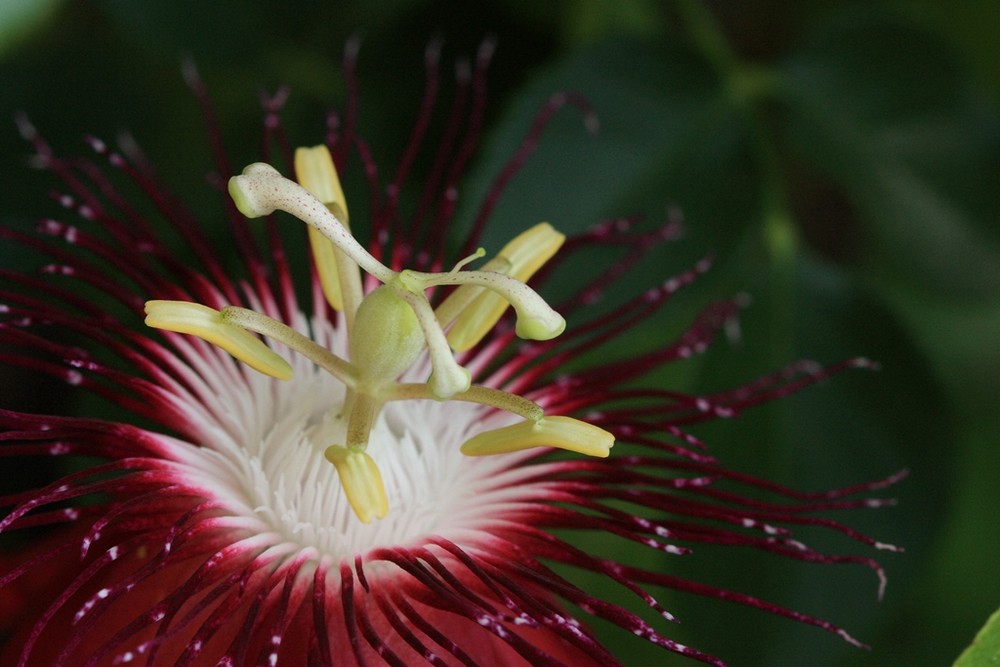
x=359, y=462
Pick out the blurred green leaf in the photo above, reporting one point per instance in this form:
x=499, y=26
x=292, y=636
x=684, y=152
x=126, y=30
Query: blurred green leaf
x=669, y=136
x=18, y=18
x=883, y=110
x=970, y=27
x=672, y=134
x=858, y=426
x=985, y=648
x=589, y=21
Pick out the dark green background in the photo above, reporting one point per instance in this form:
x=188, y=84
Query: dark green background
x=841, y=160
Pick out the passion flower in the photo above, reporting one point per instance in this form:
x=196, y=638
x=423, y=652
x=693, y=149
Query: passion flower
x=371, y=474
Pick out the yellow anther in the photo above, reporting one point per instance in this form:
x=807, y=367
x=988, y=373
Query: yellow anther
x=362, y=481
x=325, y=255
x=479, y=309
x=560, y=432
x=528, y=251
x=208, y=324
x=316, y=172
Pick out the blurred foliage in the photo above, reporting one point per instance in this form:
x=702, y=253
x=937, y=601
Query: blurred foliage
x=840, y=160
x=19, y=18
x=985, y=649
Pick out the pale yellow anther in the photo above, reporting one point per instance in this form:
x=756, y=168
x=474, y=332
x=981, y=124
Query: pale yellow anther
x=559, y=432
x=362, y=482
x=480, y=309
x=325, y=255
x=528, y=251
x=316, y=172
x=209, y=325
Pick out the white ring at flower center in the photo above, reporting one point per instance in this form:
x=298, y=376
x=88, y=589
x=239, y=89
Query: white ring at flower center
x=263, y=442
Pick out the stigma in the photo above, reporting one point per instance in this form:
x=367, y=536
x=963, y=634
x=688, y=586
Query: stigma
x=390, y=327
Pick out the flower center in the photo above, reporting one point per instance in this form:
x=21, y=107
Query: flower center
x=272, y=469
x=388, y=330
